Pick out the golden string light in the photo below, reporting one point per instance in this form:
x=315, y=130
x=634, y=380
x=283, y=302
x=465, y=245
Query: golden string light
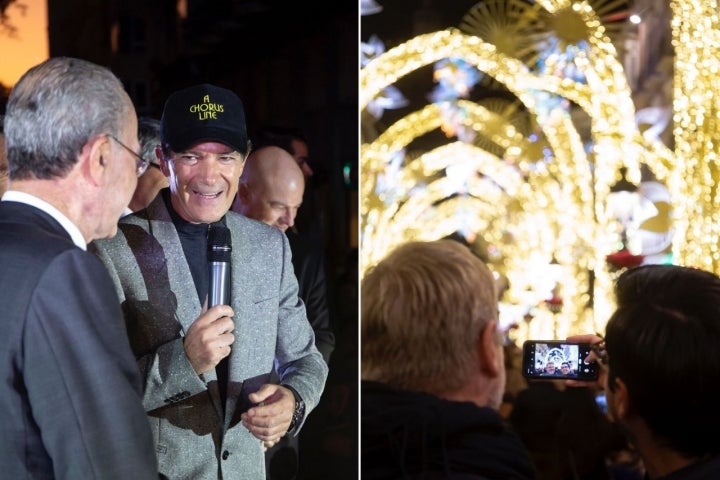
x=694, y=181
x=532, y=211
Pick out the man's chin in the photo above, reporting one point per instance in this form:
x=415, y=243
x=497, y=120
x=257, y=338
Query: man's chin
x=107, y=234
x=204, y=215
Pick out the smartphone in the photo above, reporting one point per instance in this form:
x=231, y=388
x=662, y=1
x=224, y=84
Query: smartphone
x=557, y=360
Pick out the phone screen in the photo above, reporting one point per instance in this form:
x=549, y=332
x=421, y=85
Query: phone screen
x=557, y=359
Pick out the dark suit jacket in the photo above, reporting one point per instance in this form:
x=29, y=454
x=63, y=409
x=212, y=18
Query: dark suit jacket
x=70, y=397
x=309, y=265
x=194, y=439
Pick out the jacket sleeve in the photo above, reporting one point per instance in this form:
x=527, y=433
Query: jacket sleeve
x=165, y=371
x=81, y=379
x=313, y=291
x=299, y=363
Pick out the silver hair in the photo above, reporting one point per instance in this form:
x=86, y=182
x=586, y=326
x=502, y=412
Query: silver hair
x=149, y=137
x=55, y=109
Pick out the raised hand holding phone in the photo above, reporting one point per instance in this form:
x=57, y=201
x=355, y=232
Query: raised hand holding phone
x=593, y=340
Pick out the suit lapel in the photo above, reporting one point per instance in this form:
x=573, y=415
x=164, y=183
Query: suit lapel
x=239, y=357
x=162, y=229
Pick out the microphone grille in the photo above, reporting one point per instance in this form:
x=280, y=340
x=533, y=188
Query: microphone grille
x=219, y=243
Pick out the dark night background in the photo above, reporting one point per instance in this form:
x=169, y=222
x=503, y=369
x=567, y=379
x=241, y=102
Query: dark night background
x=293, y=64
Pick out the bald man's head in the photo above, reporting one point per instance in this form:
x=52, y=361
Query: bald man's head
x=271, y=187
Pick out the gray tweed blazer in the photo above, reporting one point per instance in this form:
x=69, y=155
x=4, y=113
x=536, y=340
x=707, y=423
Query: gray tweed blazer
x=159, y=301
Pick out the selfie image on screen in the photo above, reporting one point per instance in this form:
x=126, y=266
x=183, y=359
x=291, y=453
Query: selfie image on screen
x=556, y=360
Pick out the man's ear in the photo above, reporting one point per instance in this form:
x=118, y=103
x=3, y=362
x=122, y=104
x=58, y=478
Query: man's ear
x=164, y=168
x=489, y=350
x=243, y=192
x=94, y=157
x=620, y=408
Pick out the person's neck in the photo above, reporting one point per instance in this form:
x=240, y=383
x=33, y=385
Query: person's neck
x=478, y=391
x=147, y=188
x=658, y=460
x=61, y=194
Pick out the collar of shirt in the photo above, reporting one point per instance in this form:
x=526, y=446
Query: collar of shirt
x=70, y=227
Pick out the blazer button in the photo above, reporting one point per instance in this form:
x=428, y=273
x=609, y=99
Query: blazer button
x=225, y=455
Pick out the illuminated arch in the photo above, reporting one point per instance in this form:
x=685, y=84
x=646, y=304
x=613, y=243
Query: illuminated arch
x=565, y=199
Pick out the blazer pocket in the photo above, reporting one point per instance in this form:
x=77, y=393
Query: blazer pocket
x=260, y=294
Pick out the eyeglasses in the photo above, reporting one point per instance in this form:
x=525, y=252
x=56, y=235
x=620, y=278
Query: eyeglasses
x=141, y=164
x=598, y=348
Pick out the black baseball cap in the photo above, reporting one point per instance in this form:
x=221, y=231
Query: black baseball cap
x=203, y=113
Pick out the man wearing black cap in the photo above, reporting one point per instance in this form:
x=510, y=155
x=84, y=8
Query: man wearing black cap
x=208, y=424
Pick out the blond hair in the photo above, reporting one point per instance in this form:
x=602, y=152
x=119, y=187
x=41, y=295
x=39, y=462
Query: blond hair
x=423, y=308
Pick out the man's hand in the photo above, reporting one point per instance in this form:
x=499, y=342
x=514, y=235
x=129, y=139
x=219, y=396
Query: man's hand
x=270, y=419
x=600, y=382
x=208, y=339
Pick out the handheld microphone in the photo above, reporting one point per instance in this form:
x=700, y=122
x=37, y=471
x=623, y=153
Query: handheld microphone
x=219, y=250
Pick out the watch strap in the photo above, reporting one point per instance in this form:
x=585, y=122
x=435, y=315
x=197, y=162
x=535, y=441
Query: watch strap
x=298, y=412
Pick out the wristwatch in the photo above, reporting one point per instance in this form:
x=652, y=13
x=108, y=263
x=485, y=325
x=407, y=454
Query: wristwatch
x=298, y=413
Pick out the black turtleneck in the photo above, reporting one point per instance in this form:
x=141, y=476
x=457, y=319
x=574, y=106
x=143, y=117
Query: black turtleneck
x=193, y=237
